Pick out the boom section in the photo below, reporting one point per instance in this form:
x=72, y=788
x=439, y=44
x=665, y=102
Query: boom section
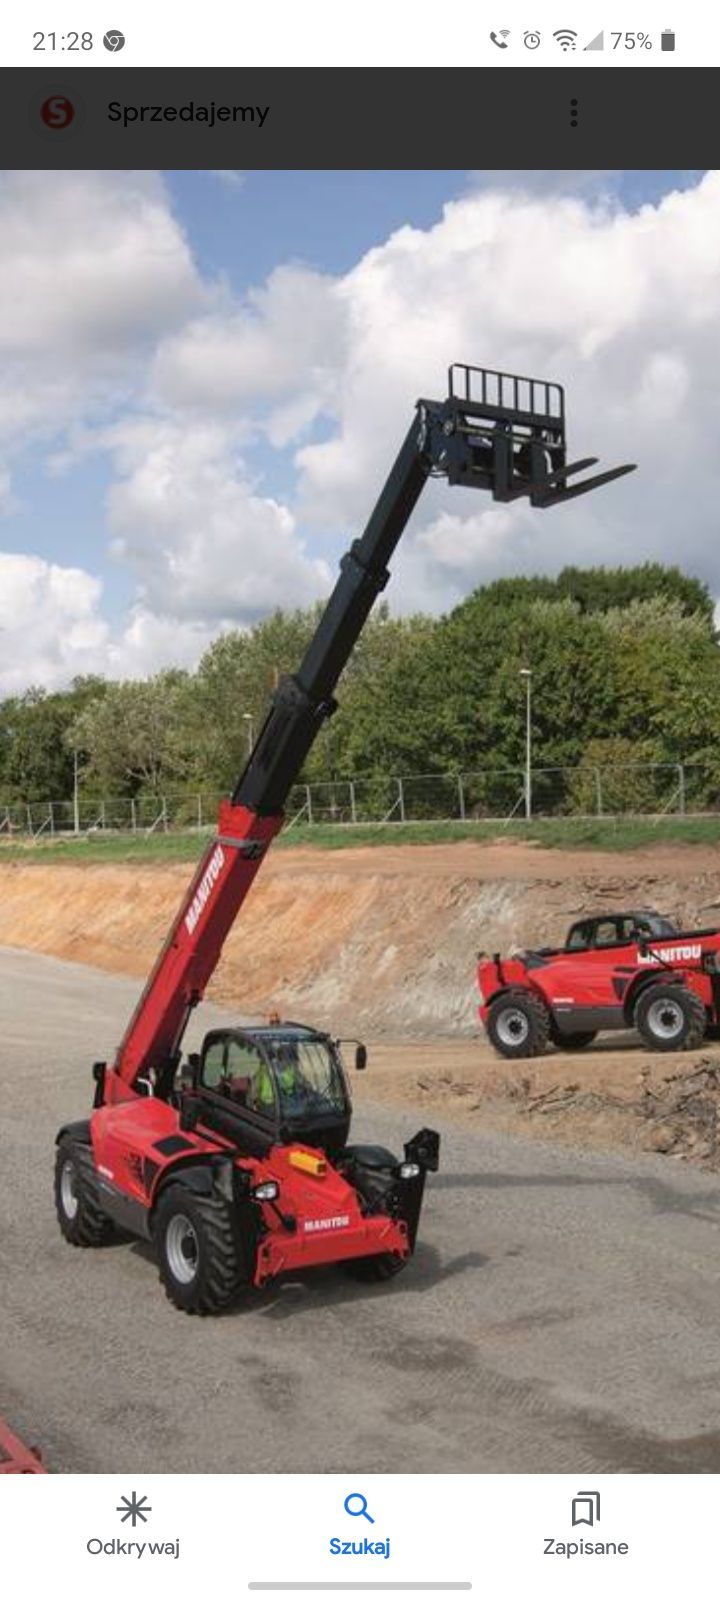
x=495, y=431
x=191, y=951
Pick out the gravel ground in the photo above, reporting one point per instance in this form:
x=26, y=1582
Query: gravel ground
x=561, y=1313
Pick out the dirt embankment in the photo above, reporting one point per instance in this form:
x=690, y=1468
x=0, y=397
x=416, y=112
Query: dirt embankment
x=382, y=942
x=380, y=939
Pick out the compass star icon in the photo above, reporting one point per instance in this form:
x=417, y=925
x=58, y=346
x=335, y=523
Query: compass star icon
x=135, y=1509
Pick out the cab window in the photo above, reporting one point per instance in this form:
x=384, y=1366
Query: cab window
x=249, y=1080
x=213, y=1064
x=579, y=937
x=606, y=933
x=234, y=1068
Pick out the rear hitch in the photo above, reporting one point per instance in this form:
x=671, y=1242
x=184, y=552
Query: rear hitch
x=422, y=1155
x=424, y=1149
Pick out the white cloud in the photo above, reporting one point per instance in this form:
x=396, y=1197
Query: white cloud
x=148, y=640
x=91, y=263
x=113, y=331
x=94, y=269
x=50, y=626
x=278, y=356
x=624, y=309
x=203, y=544
x=95, y=276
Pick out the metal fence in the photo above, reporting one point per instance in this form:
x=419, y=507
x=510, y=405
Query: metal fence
x=501, y=794
x=661, y=789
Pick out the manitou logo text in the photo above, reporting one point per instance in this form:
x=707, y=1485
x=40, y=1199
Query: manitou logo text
x=672, y=952
x=324, y=1224
x=205, y=888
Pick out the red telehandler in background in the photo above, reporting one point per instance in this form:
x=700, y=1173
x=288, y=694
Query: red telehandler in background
x=245, y=1171
x=617, y=970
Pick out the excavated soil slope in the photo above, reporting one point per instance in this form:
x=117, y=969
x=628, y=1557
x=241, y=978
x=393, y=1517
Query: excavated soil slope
x=375, y=940
x=382, y=943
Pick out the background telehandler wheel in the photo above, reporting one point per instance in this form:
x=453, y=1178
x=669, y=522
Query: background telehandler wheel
x=670, y=1017
x=519, y=1025
x=198, y=1257
x=572, y=1041
x=80, y=1217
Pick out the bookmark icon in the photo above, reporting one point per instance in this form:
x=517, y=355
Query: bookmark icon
x=586, y=1508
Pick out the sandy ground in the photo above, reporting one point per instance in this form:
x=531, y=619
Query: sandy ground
x=560, y=1314
x=612, y=1095
x=382, y=942
x=379, y=940
x=561, y=1311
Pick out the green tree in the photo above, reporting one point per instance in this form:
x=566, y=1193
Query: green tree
x=618, y=775
x=382, y=721
x=135, y=735
x=666, y=669
x=36, y=764
x=235, y=680
x=605, y=588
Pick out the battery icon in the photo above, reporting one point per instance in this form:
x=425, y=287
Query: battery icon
x=667, y=39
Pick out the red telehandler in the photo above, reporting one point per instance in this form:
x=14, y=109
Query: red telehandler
x=616, y=970
x=237, y=1164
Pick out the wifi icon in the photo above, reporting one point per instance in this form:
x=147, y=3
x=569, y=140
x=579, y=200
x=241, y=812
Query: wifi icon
x=566, y=38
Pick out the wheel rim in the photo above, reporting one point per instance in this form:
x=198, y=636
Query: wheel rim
x=512, y=1026
x=182, y=1249
x=68, y=1191
x=666, y=1019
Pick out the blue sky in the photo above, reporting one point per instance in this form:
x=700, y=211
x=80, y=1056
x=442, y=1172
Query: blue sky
x=212, y=366
x=239, y=231
x=330, y=219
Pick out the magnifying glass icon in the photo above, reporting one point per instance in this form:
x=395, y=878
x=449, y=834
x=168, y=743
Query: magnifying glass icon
x=360, y=1510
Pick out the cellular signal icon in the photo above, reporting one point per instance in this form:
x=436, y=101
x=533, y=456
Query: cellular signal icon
x=598, y=43
x=566, y=38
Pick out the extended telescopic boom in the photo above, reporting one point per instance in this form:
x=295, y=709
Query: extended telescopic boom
x=495, y=431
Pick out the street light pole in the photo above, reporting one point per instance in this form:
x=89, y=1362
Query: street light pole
x=76, y=794
x=526, y=673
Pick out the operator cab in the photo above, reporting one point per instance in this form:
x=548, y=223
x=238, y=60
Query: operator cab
x=617, y=928
x=280, y=1084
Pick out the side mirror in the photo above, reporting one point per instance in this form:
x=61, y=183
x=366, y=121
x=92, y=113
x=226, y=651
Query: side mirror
x=360, y=1058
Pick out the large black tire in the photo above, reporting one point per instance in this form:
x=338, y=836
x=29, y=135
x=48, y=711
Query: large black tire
x=81, y=1220
x=518, y=1025
x=573, y=1041
x=670, y=1017
x=375, y=1269
x=201, y=1266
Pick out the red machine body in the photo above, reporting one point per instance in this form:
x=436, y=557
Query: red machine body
x=322, y=1206
x=193, y=946
x=666, y=985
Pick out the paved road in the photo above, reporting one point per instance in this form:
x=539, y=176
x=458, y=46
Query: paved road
x=561, y=1314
